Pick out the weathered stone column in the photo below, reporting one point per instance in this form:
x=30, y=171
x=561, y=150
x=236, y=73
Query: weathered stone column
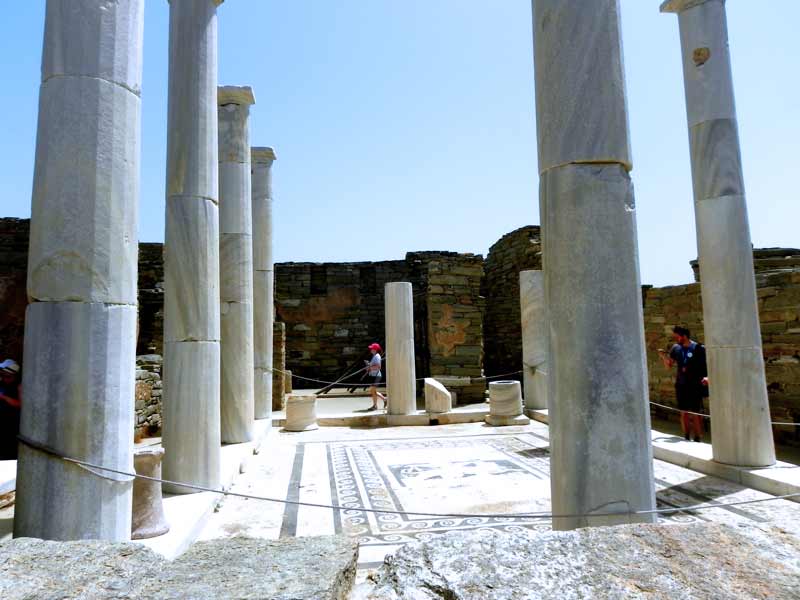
x=80, y=330
x=534, y=338
x=401, y=387
x=601, y=456
x=263, y=278
x=191, y=431
x=742, y=433
x=236, y=264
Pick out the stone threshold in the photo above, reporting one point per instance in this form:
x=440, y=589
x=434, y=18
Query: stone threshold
x=188, y=514
x=778, y=480
x=472, y=413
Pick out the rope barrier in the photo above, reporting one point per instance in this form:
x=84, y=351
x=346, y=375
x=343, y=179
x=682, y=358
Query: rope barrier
x=535, y=515
x=357, y=383
x=707, y=416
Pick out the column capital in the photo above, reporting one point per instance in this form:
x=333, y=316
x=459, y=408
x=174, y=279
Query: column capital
x=262, y=154
x=678, y=6
x=235, y=94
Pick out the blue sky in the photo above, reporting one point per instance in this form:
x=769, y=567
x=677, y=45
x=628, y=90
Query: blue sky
x=409, y=125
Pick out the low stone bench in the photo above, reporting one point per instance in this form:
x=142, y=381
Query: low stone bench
x=505, y=404
x=301, y=413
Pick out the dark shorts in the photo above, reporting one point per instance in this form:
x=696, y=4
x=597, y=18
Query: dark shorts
x=373, y=380
x=690, y=398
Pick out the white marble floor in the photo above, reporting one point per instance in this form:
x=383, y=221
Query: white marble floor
x=468, y=469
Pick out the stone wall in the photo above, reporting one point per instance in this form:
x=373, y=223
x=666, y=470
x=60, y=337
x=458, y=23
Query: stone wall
x=517, y=251
x=148, y=396
x=151, y=299
x=779, y=311
x=279, y=365
x=13, y=275
x=333, y=311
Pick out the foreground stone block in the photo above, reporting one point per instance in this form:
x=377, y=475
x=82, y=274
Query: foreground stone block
x=437, y=399
x=702, y=562
x=309, y=568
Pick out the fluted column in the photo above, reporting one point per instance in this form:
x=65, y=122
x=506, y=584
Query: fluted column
x=740, y=417
x=401, y=387
x=236, y=264
x=263, y=278
x=191, y=431
x=601, y=456
x=534, y=338
x=80, y=329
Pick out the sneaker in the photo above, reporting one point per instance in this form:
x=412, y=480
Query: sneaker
x=371, y=408
x=686, y=437
x=697, y=439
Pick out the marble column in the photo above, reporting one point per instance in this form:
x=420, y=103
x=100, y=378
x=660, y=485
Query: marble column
x=80, y=329
x=236, y=265
x=263, y=278
x=191, y=409
x=401, y=386
x=601, y=455
x=740, y=417
x=534, y=338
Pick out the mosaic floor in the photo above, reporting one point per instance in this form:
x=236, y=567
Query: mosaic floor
x=468, y=470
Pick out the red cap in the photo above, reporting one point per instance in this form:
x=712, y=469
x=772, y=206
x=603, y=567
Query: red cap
x=376, y=347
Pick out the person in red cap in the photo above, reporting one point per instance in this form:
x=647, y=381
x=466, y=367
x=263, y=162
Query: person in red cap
x=373, y=368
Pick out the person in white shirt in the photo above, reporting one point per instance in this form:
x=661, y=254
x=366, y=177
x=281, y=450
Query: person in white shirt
x=373, y=369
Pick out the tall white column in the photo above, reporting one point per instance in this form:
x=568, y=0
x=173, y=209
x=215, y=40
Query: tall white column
x=740, y=417
x=80, y=330
x=191, y=409
x=263, y=278
x=401, y=387
x=601, y=456
x=236, y=264
x=534, y=338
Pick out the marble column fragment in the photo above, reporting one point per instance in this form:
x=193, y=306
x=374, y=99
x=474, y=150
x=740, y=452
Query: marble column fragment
x=534, y=338
x=601, y=456
x=261, y=160
x=740, y=416
x=236, y=265
x=191, y=406
x=80, y=329
x=401, y=386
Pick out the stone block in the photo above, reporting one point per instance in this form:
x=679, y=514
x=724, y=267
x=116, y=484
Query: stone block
x=263, y=317
x=736, y=374
x=581, y=109
x=235, y=204
x=262, y=234
x=301, y=413
x=697, y=560
x=191, y=265
x=79, y=400
x=591, y=248
x=730, y=304
x=148, y=508
x=191, y=414
x=86, y=39
x=84, y=211
x=706, y=62
x=234, y=131
x=237, y=368
x=437, y=398
x=716, y=160
x=236, y=267
x=400, y=368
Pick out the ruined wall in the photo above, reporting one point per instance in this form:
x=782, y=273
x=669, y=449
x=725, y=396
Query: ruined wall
x=333, y=311
x=148, y=396
x=779, y=311
x=151, y=299
x=279, y=365
x=517, y=251
x=13, y=275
